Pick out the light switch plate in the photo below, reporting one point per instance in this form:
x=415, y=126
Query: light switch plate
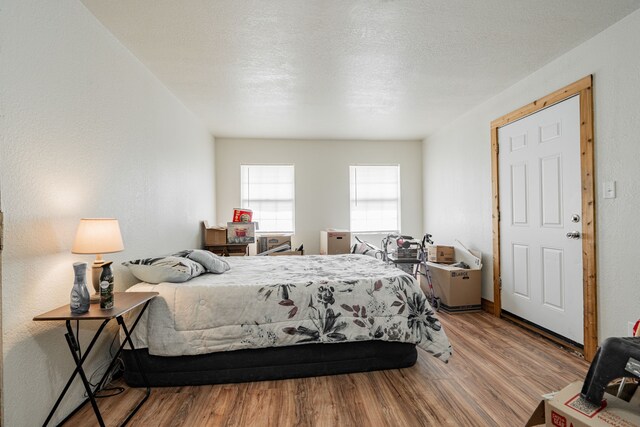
x=609, y=190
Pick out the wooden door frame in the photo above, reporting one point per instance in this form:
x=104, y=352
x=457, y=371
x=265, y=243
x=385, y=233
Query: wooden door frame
x=1, y=330
x=584, y=88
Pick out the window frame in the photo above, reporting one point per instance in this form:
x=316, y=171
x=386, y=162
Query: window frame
x=293, y=200
x=399, y=198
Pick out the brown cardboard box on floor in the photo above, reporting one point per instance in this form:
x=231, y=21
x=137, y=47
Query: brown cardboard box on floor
x=460, y=290
x=566, y=408
x=333, y=242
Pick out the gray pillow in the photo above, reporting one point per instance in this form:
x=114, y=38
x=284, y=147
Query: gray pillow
x=164, y=269
x=211, y=262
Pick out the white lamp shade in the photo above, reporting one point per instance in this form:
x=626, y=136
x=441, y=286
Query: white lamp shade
x=98, y=236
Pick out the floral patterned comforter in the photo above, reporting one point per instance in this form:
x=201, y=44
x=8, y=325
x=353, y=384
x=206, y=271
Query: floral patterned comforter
x=288, y=300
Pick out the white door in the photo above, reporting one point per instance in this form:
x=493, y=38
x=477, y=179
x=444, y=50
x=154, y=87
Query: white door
x=540, y=202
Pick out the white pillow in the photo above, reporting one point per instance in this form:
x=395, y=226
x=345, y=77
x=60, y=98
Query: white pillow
x=365, y=248
x=164, y=269
x=210, y=261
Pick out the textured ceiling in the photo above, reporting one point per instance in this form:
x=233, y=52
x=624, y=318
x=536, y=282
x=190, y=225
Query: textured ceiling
x=338, y=69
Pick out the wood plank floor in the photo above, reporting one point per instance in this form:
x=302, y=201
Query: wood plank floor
x=495, y=378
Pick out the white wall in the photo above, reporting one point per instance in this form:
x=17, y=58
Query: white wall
x=322, y=179
x=457, y=166
x=86, y=131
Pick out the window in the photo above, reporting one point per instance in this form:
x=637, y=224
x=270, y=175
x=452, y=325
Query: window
x=375, y=198
x=268, y=190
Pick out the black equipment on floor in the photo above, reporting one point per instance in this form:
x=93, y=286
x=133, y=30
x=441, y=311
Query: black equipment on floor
x=616, y=358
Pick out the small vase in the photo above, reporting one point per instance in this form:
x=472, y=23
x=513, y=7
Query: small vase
x=80, y=298
x=106, y=286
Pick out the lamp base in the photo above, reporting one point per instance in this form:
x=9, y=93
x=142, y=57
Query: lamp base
x=95, y=298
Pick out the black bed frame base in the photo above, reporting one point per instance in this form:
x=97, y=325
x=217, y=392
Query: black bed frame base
x=274, y=363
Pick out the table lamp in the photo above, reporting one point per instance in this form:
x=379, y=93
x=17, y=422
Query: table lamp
x=97, y=236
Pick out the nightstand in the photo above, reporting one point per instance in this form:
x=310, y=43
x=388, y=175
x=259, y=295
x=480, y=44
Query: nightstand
x=124, y=302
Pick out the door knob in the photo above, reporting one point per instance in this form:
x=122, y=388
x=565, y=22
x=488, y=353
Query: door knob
x=573, y=235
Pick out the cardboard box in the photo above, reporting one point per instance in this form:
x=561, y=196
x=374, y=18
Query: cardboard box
x=241, y=232
x=214, y=235
x=566, y=408
x=333, y=242
x=460, y=290
x=270, y=241
x=441, y=254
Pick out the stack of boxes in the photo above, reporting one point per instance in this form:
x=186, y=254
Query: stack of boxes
x=234, y=238
x=459, y=288
x=241, y=231
x=218, y=240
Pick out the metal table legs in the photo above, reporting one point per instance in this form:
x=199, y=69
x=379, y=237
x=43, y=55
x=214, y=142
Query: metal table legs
x=80, y=358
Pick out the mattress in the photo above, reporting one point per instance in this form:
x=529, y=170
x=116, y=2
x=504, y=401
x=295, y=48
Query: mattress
x=289, y=300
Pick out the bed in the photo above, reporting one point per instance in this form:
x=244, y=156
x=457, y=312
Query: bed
x=284, y=317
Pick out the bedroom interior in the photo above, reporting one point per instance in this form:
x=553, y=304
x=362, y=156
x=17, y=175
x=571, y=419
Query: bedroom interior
x=145, y=112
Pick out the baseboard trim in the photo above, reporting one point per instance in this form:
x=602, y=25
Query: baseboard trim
x=539, y=331
x=487, y=305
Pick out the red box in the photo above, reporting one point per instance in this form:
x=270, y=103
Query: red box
x=242, y=215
